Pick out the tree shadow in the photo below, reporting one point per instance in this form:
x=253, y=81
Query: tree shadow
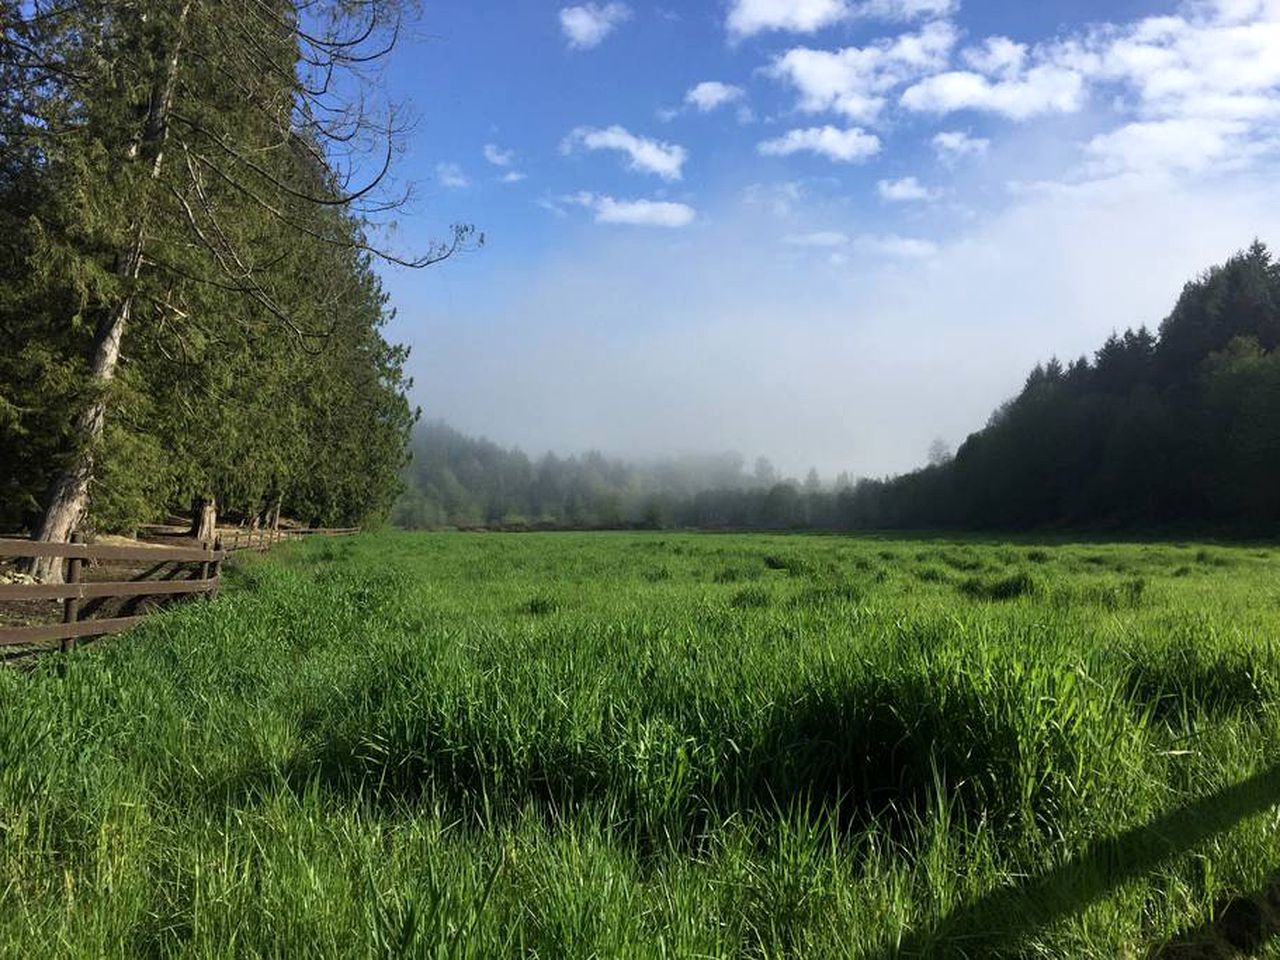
x=1241, y=926
x=996, y=922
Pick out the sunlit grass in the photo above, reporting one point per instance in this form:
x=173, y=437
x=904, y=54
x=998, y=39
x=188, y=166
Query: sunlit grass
x=652, y=745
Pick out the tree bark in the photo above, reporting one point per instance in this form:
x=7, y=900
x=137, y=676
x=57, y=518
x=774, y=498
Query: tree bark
x=68, y=501
x=204, y=520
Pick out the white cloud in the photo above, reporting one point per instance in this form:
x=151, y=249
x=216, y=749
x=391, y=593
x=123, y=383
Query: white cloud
x=1169, y=146
x=953, y=145
x=1216, y=61
x=1195, y=89
x=998, y=56
x=513, y=176
x=1042, y=89
x=822, y=239
x=499, y=157
x=906, y=190
x=450, y=175
x=905, y=248
x=666, y=160
x=905, y=9
x=1205, y=87
x=748, y=17
x=641, y=213
x=710, y=94
x=587, y=25
x=855, y=81
x=844, y=146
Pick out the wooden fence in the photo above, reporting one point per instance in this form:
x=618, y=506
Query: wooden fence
x=201, y=562
x=264, y=538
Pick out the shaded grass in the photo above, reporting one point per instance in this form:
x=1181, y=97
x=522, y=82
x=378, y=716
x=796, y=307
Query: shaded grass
x=1003, y=587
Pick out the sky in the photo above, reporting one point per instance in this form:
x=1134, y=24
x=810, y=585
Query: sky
x=825, y=231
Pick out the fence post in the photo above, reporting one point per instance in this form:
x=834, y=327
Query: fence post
x=204, y=567
x=71, y=606
x=217, y=570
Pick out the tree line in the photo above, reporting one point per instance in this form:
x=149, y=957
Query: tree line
x=191, y=193
x=457, y=480
x=1180, y=427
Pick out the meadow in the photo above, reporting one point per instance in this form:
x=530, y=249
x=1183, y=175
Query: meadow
x=662, y=745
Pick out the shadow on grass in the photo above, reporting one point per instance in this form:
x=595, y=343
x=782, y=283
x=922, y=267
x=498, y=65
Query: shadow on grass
x=996, y=923
x=880, y=750
x=1241, y=926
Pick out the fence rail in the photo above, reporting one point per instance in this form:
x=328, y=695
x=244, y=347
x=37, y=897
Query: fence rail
x=205, y=559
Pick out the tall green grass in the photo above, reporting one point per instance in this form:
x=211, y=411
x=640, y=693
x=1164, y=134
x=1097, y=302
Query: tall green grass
x=655, y=745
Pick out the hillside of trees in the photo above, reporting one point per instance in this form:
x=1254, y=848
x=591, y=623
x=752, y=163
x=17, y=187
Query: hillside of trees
x=1180, y=427
x=456, y=480
x=189, y=196
x=1175, y=428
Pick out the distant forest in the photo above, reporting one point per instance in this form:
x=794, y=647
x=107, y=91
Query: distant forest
x=1175, y=428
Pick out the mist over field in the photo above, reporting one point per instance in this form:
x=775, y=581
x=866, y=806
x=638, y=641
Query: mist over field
x=730, y=339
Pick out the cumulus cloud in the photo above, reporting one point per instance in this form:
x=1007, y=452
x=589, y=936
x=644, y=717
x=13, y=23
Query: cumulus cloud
x=587, y=25
x=1217, y=61
x=843, y=146
x=1193, y=90
x=1042, y=89
x=640, y=213
x=905, y=9
x=513, y=176
x=1198, y=89
x=1192, y=145
x=1204, y=85
x=998, y=56
x=711, y=94
x=666, y=160
x=855, y=81
x=749, y=17
x=906, y=190
x=450, y=175
x=953, y=145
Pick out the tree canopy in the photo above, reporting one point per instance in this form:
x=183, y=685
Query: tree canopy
x=189, y=308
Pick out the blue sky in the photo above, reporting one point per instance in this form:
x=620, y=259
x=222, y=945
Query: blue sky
x=827, y=231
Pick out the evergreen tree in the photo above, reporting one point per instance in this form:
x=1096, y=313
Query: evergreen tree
x=187, y=265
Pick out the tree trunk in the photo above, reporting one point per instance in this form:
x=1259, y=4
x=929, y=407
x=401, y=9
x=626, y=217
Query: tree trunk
x=69, y=497
x=69, y=494
x=204, y=520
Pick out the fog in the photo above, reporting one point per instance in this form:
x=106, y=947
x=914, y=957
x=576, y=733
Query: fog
x=731, y=335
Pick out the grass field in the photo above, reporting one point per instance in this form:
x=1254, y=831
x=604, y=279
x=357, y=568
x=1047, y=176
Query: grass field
x=647, y=745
